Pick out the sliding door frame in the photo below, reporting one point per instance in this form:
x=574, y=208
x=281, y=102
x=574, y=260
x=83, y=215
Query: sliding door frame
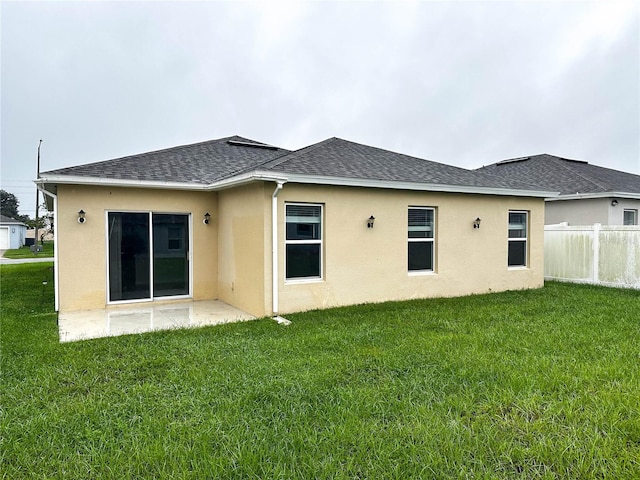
x=151, y=297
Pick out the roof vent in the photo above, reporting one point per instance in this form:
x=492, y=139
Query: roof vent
x=251, y=144
x=513, y=160
x=575, y=161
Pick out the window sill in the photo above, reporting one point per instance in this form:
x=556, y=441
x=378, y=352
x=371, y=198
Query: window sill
x=520, y=267
x=421, y=273
x=299, y=281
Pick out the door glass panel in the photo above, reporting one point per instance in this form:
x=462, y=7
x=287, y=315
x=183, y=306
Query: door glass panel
x=170, y=255
x=129, y=277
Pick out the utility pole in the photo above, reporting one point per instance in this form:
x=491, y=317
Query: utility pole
x=35, y=233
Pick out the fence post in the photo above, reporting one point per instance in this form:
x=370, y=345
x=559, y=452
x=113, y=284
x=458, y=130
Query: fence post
x=596, y=252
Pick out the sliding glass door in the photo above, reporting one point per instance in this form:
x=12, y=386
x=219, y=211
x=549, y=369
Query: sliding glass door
x=170, y=255
x=129, y=256
x=148, y=255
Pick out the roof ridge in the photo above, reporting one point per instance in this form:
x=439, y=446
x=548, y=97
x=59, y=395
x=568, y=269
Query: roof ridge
x=560, y=161
x=413, y=157
x=256, y=167
x=278, y=160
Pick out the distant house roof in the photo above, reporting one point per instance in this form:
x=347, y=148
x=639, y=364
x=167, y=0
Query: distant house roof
x=569, y=177
x=226, y=161
x=13, y=221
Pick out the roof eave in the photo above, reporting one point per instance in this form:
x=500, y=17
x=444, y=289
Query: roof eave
x=14, y=222
x=582, y=196
x=397, y=185
x=267, y=176
x=115, y=182
x=46, y=181
x=245, y=178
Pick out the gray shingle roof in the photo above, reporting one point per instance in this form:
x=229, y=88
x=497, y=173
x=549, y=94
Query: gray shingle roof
x=335, y=157
x=209, y=162
x=5, y=219
x=200, y=163
x=566, y=176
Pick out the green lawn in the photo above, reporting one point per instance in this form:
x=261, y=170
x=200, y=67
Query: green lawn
x=531, y=384
x=25, y=252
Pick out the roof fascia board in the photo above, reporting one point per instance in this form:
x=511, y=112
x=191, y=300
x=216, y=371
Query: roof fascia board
x=230, y=182
x=268, y=176
x=243, y=179
x=13, y=222
x=356, y=182
x=115, y=182
x=582, y=196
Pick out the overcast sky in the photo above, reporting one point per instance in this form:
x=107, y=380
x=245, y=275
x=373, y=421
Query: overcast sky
x=463, y=83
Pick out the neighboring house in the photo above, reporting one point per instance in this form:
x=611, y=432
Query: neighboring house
x=272, y=231
x=12, y=233
x=589, y=194
x=44, y=234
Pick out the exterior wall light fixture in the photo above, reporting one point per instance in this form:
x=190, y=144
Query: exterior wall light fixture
x=207, y=218
x=81, y=218
x=614, y=202
x=370, y=221
x=476, y=223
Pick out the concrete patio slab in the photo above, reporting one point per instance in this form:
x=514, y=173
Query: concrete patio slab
x=120, y=320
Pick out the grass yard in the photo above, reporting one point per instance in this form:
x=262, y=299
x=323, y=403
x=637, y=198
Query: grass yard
x=530, y=384
x=25, y=252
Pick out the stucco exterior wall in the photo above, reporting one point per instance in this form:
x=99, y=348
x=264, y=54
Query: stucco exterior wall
x=244, y=239
x=588, y=211
x=82, y=247
x=616, y=213
x=370, y=265
x=231, y=257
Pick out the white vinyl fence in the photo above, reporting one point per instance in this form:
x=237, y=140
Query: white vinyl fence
x=602, y=254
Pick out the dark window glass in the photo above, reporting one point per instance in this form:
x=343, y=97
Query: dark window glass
x=170, y=255
x=303, y=241
x=129, y=277
x=303, y=260
x=303, y=231
x=517, y=253
x=420, y=255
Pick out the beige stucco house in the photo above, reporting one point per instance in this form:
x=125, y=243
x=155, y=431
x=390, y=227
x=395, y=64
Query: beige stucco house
x=272, y=231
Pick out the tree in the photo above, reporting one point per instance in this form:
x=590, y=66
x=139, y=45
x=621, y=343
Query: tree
x=9, y=205
x=42, y=222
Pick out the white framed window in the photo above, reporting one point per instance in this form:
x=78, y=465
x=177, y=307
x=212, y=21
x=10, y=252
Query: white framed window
x=421, y=239
x=630, y=217
x=518, y=235
x=303, y=241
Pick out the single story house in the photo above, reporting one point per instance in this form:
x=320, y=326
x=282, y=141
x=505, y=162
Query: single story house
x=269, y=231
x=12, y=233
x=589, y=194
